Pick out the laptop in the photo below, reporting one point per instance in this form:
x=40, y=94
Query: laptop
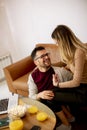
x=8, y=103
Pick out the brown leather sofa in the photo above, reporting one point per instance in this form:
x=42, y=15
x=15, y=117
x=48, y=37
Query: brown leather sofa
x=17, y=73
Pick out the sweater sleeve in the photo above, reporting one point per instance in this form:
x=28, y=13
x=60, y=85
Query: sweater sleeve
x=63, y=74
x=32, y=88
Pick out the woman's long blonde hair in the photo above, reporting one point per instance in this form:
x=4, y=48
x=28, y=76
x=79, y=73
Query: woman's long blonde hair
x=68, y=42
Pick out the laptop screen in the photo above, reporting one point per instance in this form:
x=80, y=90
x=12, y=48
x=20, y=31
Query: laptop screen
x=8, y=103
x=4, y=105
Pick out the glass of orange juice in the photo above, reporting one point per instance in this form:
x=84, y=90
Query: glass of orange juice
x=16, y=125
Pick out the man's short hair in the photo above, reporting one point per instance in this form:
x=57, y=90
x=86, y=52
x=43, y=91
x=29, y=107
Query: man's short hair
x=33, y=53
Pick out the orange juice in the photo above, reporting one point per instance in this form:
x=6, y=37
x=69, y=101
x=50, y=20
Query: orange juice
x=16, y=125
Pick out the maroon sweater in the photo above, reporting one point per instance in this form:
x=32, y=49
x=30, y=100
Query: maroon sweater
x=43, y=80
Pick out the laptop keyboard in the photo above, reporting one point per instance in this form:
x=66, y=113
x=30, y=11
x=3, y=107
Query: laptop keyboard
x=4, y=104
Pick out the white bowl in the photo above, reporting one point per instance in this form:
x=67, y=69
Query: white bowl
x=17, y=112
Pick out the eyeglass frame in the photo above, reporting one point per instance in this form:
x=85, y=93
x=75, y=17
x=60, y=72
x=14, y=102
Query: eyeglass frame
x=42, y=56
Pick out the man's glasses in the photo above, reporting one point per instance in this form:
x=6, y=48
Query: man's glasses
x=42, y=56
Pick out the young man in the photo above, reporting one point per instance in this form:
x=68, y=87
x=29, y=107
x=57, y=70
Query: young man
x=41, y=84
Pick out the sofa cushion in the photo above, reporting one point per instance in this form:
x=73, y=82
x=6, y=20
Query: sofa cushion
x=21, y=83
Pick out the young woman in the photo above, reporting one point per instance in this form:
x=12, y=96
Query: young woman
x=74, y=53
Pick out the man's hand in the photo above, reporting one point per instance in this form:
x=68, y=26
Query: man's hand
x=55, y=80
x=47, y=94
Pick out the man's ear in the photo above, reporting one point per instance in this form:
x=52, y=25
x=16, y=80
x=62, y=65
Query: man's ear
x=35, y=62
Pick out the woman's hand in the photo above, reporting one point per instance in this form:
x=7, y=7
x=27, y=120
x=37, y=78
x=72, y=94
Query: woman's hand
x=55, y=80
x=47, y=94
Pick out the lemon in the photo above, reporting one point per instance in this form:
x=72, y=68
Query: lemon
x=41, y=116
x=33, y=109
x=16, y=125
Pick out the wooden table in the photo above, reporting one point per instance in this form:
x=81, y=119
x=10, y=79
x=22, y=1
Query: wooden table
x=30, y=119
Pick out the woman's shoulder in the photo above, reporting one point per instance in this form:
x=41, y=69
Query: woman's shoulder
x=79, y=53
x=78, y=50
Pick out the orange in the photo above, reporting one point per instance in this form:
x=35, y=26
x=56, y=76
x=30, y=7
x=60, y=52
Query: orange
x=33, y=109
x=41, y=116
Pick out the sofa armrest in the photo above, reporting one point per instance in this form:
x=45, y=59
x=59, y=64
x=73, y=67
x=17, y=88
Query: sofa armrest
x=17, y=70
